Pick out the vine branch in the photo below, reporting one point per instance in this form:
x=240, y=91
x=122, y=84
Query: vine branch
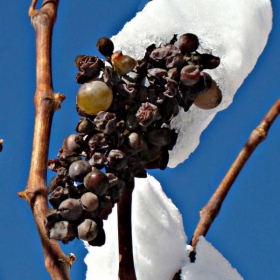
x=211, y=210
x=46, y=103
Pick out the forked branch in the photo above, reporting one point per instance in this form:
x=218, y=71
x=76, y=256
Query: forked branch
x=212, y=208
x=46, y=103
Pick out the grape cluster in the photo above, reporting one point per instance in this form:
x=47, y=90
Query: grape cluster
x=126, y=106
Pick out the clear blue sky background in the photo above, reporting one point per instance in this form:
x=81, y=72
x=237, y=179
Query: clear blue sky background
x=248, y=228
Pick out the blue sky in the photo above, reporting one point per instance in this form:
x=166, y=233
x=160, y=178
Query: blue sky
x=247, y=230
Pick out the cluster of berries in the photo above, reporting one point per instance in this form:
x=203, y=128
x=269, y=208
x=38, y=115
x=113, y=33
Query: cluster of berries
x=126, y=106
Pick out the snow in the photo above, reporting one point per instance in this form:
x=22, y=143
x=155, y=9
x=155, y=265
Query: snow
x=209, y=265
x=103, y=262
x=236, y=31
x=158, y=232
x=159, y=243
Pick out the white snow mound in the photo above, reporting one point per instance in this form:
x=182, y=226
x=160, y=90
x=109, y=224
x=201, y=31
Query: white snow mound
x=209, y=265
x=103, y=262
x=236, y=31
x=159, y=239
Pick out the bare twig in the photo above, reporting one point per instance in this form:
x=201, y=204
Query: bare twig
x=46, y=103
x=126, y=264
x=212, y=208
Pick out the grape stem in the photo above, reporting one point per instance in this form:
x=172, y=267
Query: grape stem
x=46, y=103
x=211, y=210
x=126, y=263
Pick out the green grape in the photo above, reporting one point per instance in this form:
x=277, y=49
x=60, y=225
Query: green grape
x=94, y=96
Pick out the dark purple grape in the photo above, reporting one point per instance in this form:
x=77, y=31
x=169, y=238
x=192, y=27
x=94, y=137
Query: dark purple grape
x=84, y=126
x=113, y=179
x=89, y=67
x=87, y=230
x=98, y=142
x=78, y=170
x=175, y=61
x=161, y=53
x=97, y=182
x=52, y=217
x=106, y=207
x=105, y=122
x=98, y=160
x=71, y=146
x=58, y=195
x=209, y=61
x=204, y=83
x=89, y=201
x=100, y=239
x=105, y=46
x=161, y=137
x=117, y=159
x=188, y=43
x=173, y=74
x=70, y=209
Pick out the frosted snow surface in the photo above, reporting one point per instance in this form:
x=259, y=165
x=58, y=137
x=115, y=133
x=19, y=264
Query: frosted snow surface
x=209, y=265
x=103, y=262
x=158, y=233
x=236, y=31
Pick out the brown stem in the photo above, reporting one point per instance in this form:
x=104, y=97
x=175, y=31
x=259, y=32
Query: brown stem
x=126, y=264
x=212, y=208
x=46, y=103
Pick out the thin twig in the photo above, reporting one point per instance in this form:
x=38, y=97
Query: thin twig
x=212, y=208
x=46, y=103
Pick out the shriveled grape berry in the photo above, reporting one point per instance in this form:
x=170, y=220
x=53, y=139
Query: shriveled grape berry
x=87, y=230
x=70, y=209
x=63, y=231
x=117, y=159
x=78, y=170
x=58, y=195
x=97, y=182
x=89, y=201
x=190, y=75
